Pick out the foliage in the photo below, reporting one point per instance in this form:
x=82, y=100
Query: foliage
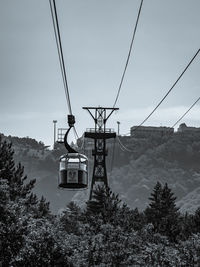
x=107, y=233
x=18, y=205
x=174, y=159
x=13, y=174
x=104, y=203
x=25, y=142
x=42, y=246
x=162, y=211
x=70, y=219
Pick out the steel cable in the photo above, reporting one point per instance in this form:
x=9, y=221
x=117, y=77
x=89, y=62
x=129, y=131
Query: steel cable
x=185, y=113
x=129, y=53
x=60, y=51
x=168, y=91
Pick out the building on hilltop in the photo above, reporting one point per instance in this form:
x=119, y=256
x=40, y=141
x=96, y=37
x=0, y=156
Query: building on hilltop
x=146, y=131
x=183, y=128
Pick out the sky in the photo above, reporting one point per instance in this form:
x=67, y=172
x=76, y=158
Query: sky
x=96, y=36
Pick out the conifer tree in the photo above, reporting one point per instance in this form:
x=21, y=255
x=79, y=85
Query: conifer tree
x=154, y=211
x=129, y=219
x=187, y=226
x=18, y=206
x=42, y=208
x=168, y=201
x=13, y=174
x=170, y=215
x=71, y=218
x=197, y=221
x=104, y=203
x=162, y=211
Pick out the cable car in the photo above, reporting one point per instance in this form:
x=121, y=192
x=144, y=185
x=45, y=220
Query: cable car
x=73, y=171
x=73, y=166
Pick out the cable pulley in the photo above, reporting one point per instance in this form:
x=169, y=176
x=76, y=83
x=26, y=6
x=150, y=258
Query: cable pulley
x=71, y=122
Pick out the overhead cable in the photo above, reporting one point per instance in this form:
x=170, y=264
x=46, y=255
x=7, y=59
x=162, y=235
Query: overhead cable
x=57, y=41
x=185, y=113
x=168, y=91
x=112, y=158
x=125, y=148
x=60, y=51
x=122, y=146
x=129, y=53
x=122, y=149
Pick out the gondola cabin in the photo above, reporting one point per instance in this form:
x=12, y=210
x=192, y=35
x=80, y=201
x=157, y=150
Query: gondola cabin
x=73, y=171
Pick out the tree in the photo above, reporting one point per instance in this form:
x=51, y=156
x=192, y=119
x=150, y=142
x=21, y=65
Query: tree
x=104, y=203
x=43, y=246
x=162, y=212
x=170, y=215
x=18, y=206
x=168, y=201
x=71, y=218
x=13, y=174
x=42, y=208
x=12, y=225
x=197, y=221
x=187, y=226
x=129, y=219
x=154, y=212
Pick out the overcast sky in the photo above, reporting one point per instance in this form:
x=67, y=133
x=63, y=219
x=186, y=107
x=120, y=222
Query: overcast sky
x=96, y=36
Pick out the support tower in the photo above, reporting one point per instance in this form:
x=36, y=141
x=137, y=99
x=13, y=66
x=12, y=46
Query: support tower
x=100, y=133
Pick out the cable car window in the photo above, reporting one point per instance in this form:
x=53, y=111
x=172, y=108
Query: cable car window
x=72, y=176
x=62, y=165
x=73, y=165
x=83, y=167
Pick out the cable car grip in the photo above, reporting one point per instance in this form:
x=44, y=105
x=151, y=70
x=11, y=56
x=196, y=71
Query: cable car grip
x=71, y=122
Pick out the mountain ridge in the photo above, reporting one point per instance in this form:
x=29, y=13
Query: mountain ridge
x=173, y=160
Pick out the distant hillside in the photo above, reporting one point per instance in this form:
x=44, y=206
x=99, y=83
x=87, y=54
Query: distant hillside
x=173, y=160
x=41, y=164
x=169, y=159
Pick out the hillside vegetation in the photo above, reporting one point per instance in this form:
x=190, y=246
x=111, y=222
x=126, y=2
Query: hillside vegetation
x=41, y=164
x=173, y=160
x=106, y=233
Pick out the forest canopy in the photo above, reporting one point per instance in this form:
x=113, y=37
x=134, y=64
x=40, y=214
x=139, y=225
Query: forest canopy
x=106, y=233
